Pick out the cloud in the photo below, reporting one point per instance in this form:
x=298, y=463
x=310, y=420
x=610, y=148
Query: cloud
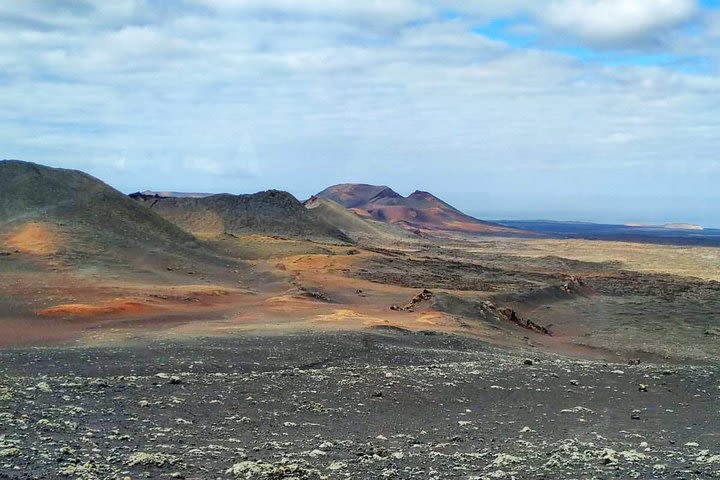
x=239, y=96
x=219, y=166
x=613, y=23
x=376, y=12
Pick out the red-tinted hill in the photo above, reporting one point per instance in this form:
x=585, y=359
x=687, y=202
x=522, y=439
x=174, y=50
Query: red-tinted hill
x=418, y=211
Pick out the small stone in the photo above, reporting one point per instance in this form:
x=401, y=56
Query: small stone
x=527, y=361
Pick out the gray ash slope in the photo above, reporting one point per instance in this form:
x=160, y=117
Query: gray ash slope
x=99, y=225
x=29, y=191
x=271, y=212
x=363, y=230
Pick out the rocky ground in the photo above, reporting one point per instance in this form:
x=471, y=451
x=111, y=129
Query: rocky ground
x=662, y=313
x=375, y=404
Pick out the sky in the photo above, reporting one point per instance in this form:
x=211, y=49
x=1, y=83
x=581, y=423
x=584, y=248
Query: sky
x=595, y=110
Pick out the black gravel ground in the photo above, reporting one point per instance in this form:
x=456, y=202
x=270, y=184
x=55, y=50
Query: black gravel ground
x=350, y=405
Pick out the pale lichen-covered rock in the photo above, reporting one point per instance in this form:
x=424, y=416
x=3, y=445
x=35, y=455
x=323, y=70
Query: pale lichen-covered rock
x=6, y=394
x=705, y=457
x=285, y=469
x=503, y=460
x=577, y=409
x=335, y=466
x=9, y=452
x=151, y=459
x=43, y=387
x=496, y=474
x=608, y=456
x=633, y=455
x=89, y=470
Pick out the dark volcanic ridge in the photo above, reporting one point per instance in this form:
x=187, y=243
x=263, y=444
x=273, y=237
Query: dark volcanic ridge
x=419, y=211
x=271, y=212
x=152, y=193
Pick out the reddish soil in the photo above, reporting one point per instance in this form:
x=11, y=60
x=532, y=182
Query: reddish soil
x=119, y=306
x=35, y=238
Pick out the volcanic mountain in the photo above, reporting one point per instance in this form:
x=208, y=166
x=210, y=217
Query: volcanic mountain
x=419, y=211
x=272, y=212
x=73, y=219
x=360, y=229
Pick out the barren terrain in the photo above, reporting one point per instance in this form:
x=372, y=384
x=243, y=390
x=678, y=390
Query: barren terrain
x=382, y=404
x=134, y=349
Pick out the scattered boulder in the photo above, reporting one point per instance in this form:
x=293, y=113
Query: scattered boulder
x=421, y=297
x=577, y=286
x=513, y=316
x=314, y=294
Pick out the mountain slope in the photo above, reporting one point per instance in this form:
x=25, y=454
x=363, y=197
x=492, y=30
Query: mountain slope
x=83, y=221
x=269, y=213
x=355, y=195
x=418, y=211
x=352, y=224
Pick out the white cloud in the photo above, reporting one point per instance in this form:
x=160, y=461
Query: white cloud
x=376, y=12
x=618, y=22
x=241, y=96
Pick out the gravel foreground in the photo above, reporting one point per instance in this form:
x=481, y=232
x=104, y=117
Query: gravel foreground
x=350, y=405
